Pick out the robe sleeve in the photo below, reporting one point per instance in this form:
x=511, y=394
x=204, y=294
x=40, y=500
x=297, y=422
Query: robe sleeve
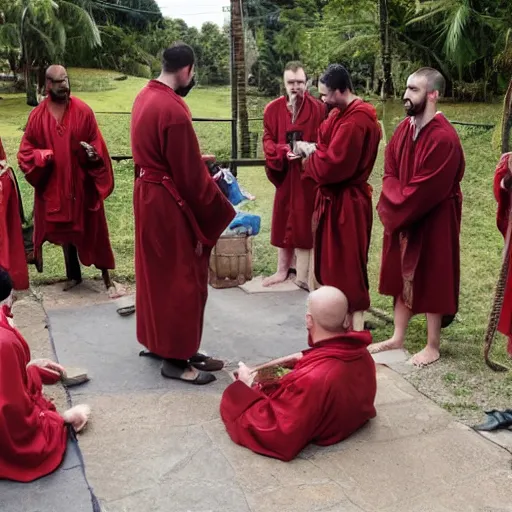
x=433, y=183
x=101, y=170
x=211, y=209
x=502, y=196
x=279, y=427
x=275, y=153
x=338, y=161
x=31, y=158
x=27, y=433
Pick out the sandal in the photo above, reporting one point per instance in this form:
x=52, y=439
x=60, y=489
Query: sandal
x=206, y=363
x=170, y=371
x=126, y=311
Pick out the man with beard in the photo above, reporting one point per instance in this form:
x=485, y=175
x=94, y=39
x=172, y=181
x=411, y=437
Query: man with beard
x=296, y=116
x=420, y=207
x=180, y=213
x=12, y=248
x=502, y=188
x=340, y=165
x=64, y=157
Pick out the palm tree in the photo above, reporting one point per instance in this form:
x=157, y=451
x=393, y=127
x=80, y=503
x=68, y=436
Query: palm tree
x=41, y=28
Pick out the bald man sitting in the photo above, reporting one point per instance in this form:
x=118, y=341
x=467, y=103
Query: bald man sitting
x=327, y=396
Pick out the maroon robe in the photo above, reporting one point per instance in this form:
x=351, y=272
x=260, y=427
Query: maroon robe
x=12, y=248
x=503, y=217
x=347, y=147
x=420, y=207
x=32, y=434
x=70, y=190
x=294, y=198
x=179, y=214
x=328, y=395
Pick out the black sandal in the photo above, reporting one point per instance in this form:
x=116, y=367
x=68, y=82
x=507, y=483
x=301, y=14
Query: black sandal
x=206, y=363
x=171, y=371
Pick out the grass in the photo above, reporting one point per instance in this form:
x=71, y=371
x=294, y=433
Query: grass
x=460, y=381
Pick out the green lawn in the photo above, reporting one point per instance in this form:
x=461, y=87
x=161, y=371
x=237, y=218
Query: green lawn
x=460, y=381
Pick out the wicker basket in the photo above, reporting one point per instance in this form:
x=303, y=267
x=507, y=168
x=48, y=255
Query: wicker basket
x=231, y=262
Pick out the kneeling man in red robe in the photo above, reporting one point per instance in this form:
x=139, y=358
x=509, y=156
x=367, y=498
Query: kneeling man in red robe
x=65, y=159
x=33, y=435
x=420, y=208
x=502, y=191
x=328, y=395
x=12, y=248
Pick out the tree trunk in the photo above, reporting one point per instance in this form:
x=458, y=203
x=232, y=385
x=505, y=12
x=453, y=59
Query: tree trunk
x=385, y=49
x=506, y=126
x=241, y=76
x=31, y=86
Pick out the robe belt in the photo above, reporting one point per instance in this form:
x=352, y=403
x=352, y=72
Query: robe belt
x=328, y=194
x=161, y=178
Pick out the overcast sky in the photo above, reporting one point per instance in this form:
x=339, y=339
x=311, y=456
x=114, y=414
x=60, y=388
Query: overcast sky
x=195, y=12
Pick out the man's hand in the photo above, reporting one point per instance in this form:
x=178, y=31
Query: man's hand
x=507, y=179
x=48, y=365
x=91, y=153
x=292, y=156
x=245, y=374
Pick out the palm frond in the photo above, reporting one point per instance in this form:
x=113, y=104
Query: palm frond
x=79, y=17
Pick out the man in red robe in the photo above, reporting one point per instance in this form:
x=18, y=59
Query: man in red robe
x=502, y=190
x=65, y=159
x=328, y=395
x=12, y=248
x=33, y=434
x=340, y=164
x=180, y=213
x=293, y=117
x=420, y=207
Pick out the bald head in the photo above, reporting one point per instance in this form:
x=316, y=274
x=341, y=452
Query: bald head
x=57, y=83
x=328, y=308
x=434, y=79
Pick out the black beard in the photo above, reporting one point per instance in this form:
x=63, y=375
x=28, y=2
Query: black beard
x=57, y=98
x=414, y=110
x=183, y=91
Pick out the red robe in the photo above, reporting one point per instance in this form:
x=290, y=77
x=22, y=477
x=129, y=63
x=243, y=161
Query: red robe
x=69, y=193
x=12, y=248
x=420, y=207
x=294, y=198
x=503, y=217
x=347, y=147
x=32, y=434
x=328, y=395
x=179, y=214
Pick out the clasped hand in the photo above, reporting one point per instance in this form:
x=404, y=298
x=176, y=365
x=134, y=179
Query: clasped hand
x=92, y=155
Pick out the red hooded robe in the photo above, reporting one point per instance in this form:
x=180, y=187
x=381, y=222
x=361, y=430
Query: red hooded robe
x=328, y=395
x=180, y=213
x=294, y=199
x=70, y=190
x=347, y=147
x=420, y=207
x=12, y=248
x=32, y=434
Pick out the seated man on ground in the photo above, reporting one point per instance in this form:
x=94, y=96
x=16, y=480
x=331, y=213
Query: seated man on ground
x=327, y=396
x=33, y=435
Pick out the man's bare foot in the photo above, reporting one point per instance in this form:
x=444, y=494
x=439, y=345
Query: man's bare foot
x=77, y=416
x=72, y=283
x=391, y=344
x=278, y=277
x=116, y=290
x=427, y=356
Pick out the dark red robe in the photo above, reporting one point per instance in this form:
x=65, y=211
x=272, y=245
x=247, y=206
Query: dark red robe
x=347, y=147
x=12, y=248
x=180, y=213
x=294, y=198
x=32, y=434
x=328, y=395
x=420, y=207
x=70, y=191
x=503, y=217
